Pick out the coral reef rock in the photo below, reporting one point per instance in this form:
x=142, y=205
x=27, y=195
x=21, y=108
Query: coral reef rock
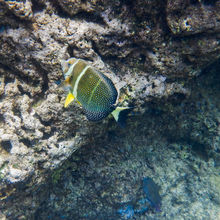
x=153, y=51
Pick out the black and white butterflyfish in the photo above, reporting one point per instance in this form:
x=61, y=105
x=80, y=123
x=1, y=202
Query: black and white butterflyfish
x=93, y=90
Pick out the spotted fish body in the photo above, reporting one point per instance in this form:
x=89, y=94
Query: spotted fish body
x=91, y=88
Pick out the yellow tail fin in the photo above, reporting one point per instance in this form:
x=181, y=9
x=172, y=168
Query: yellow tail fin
x=120, y=115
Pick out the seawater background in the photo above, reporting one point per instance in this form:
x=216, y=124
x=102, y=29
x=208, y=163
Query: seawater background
x=176, y=143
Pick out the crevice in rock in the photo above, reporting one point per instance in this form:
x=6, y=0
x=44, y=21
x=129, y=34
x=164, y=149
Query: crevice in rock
x=26, y=142
x=8, y=79
x=44, y=75
x=27, y=130
x=58, y=9
x=16, y=111
x=194, y=2
x=22, y=91
x=90, y=17
x=82, y=15
x=142, y=58
x=162, y=17
x=11, y=19
x=13, y=73
x=95, y=48
x=46, y=136
x=45, y=123
x=209, y=2
x=200, y=149
x=37, y=6
x=186, y=59
x=1, y=118
x=6, y=145
x=177, y=98
x=70, y=50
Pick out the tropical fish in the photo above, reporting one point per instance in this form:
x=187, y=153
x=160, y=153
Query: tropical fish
x=91, y=89
x=151, y=190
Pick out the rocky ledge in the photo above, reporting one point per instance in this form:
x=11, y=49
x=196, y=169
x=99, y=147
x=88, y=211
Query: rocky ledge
x=154, y=52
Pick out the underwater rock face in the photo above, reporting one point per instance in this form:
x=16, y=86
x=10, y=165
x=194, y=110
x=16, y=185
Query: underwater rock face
x=73, y=7
x=142, y=46
x=22, y=9
x=96, y=185
x=197, y=16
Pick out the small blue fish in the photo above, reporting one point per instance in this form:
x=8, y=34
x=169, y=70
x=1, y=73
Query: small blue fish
x=151, y=190
x=142, y=206
x=127, y=212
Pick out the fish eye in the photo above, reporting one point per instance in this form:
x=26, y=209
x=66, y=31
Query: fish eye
x=69, y=64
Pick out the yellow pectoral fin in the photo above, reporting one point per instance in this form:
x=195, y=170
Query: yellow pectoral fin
x=69, y=99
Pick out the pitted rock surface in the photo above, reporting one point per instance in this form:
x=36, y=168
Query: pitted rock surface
x=150, y=50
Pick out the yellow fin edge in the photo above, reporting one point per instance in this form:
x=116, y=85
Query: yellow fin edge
x=117, y=111
x=70, y=97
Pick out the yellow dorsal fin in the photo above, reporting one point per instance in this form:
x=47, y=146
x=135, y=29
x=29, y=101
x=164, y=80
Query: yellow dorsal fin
x=69, y=99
